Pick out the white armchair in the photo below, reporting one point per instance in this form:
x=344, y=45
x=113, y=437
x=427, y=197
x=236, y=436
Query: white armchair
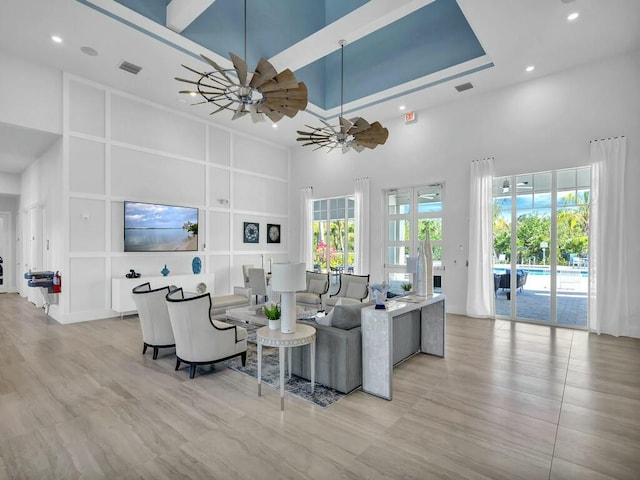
x=154, y=317
x=317, y=286
x=200, y=340
x=353, y=289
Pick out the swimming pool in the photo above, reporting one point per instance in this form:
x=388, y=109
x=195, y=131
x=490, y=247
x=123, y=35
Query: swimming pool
x=546, y=271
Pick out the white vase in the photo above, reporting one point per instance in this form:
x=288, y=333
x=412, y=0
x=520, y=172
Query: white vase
x=429, y=254
x=421, y=271
x=274, y=324
x=424, y=270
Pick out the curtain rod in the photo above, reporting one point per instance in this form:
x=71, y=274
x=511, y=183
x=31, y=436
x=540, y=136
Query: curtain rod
x=609, y=138
x=361, y=178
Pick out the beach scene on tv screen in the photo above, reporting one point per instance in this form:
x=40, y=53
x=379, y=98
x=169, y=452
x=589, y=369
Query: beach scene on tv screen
x=161, y=228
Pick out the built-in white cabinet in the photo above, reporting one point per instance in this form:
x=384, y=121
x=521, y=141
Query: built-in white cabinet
x=122, y=298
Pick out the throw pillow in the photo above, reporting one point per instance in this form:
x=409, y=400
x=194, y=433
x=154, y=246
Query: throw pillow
x=327, y=320
x=356, y=290
x=346, y=317
x=316, y=286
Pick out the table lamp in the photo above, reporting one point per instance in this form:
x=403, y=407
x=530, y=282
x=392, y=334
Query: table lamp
x=287, y=278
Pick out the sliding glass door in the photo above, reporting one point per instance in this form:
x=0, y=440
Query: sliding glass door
x=541, y=246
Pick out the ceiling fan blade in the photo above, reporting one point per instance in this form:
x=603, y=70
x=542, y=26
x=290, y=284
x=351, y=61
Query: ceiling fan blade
x=274, y=116
x=299, y=93
x=222, y=107
x=359, y=125
x=264, y=72
x=256, y=115
x=345, y=125
x=328, y=126
x=220, y=70
x=284, y=106
x=241, y=67
x=200, y=84
x=240, y=111
x=202, y=74
x=372, y=137
x=358, y=148
x=284, y=80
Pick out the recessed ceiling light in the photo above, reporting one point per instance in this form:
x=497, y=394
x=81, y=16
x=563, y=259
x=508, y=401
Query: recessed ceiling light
x=530, y=68
x=572, y=16
x=56, y=38
x=193, y=94
x=275, y=125
x=402, y=107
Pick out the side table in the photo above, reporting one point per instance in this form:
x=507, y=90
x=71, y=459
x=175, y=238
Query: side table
x=304, y=335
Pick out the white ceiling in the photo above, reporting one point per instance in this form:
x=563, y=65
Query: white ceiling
x=513, y=33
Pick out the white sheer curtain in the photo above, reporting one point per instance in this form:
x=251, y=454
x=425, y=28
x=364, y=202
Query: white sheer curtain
x=361, y=187
x=306, y=226
x=480, y=291
x=609, y=293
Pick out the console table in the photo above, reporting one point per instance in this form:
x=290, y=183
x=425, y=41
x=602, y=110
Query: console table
x=122, y=299
x=419, y=326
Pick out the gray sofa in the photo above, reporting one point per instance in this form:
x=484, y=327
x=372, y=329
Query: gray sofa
x=338, y=350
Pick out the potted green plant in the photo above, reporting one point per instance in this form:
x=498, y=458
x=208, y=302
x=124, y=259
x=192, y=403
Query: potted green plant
x=407, y=287
x=272, y=312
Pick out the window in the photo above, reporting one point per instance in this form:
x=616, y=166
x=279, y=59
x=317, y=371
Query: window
x=333, y=234
x=410, y=213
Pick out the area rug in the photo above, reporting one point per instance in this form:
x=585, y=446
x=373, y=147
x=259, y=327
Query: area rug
x=299, y=387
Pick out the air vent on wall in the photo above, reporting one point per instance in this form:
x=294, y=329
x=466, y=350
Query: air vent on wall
x=464, y=86
x=129, y=67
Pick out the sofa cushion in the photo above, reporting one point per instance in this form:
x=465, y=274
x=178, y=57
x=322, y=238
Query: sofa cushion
x=327, y=320
x=356, y=290
x=346, y=317
x=308, y=298
x=317, y=286
x=225, y=301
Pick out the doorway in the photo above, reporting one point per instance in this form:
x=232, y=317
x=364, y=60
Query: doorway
x=6, y=258
x=541, y=245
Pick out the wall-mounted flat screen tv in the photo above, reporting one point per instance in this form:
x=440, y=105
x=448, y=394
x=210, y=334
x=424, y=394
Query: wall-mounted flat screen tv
x=150, y=227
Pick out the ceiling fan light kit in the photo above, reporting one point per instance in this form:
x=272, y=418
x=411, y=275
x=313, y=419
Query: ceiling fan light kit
x=354, y=133
x=262, y=92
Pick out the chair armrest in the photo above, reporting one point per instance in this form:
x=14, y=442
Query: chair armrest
x=244, y=291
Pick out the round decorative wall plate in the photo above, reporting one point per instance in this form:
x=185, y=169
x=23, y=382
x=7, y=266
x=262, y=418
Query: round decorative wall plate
x=251, y=232
x=202, y=287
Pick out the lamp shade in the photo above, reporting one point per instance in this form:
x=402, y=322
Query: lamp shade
x=288, y=277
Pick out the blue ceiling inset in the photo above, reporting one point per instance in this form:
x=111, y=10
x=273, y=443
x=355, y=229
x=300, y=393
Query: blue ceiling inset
x=426, y=41
x=431, y=39
x=156, y=10
x=272, y=26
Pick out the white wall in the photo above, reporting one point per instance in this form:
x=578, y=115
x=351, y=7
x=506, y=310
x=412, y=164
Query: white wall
x=117, y=148
x=540, y=125
x=10, y=206
x=30, y=94
x=9, y=184
x=40, y=243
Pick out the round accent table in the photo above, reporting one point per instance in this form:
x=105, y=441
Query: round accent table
x=304, y=335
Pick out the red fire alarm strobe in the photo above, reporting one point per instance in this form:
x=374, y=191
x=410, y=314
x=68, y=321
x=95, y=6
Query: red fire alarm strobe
x=409, y=117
